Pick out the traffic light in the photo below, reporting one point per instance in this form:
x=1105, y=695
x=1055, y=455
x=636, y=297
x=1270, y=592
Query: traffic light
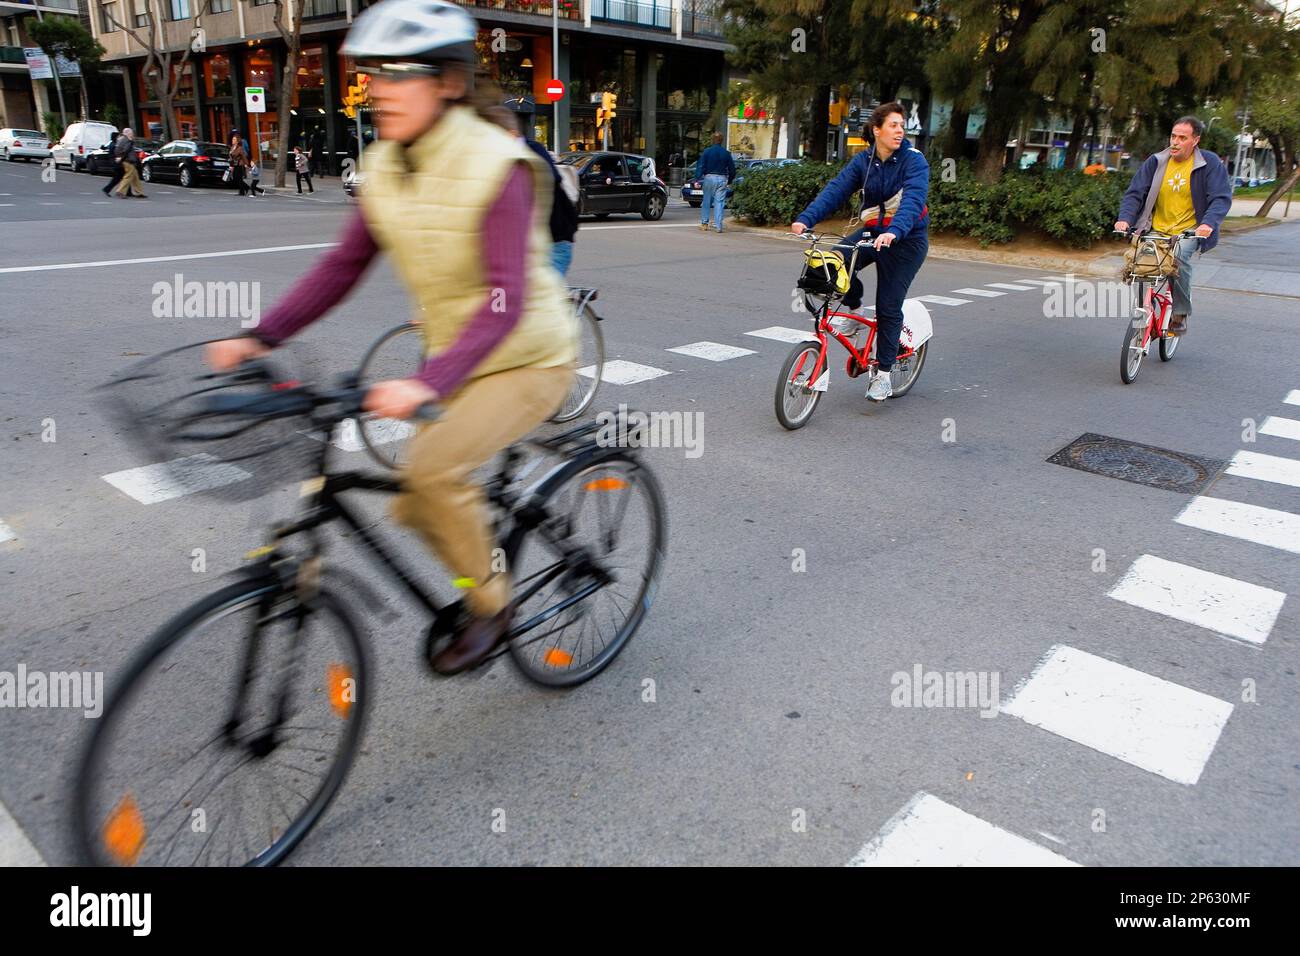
x=356, y=96
x=610, y=103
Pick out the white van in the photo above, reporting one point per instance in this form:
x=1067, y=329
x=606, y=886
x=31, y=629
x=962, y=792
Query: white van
x=79, y=141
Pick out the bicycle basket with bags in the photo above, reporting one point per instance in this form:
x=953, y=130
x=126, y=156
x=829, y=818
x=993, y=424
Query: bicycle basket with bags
x=1150, y=258
x=824, y=272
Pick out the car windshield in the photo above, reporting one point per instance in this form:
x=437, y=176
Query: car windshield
x=574, y=159
x=215, y=150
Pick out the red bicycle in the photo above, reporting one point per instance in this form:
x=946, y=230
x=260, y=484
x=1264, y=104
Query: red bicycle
x=1151, y=266
x=806, y=373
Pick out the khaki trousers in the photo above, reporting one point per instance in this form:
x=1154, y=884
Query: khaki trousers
x=130, y=180
x=441, y=501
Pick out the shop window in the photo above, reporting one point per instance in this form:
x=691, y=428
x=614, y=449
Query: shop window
x=216, y=75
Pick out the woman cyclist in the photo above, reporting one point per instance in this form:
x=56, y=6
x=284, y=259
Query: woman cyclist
x=895, y=180
x=461, y=207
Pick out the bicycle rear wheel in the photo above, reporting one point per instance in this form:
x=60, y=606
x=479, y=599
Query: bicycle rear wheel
x=591, y=363
x=796, y=399
x=586, y=575
x=906, y=371
x=1168, y=345
x=246, y=694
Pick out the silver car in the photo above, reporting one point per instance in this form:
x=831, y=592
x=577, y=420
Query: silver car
x=23, y=144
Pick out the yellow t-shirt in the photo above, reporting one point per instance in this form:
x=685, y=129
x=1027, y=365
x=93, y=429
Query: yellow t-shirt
x=1174, y=211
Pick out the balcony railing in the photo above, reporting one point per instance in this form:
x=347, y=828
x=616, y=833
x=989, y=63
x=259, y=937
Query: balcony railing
x=68, y=5
x=569, y=9
x=699, y=17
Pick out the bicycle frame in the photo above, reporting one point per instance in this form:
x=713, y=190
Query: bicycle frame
x=1157, y=302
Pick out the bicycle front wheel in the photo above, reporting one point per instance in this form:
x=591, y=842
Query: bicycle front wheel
x=227, y=736
x=1131, y=355
x=398, y=353
x=586, y=574
x=796, y=399
x=591, y=366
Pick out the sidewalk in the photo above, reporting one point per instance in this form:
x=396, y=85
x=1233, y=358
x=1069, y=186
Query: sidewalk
x=329, y=189
x=1249, y=207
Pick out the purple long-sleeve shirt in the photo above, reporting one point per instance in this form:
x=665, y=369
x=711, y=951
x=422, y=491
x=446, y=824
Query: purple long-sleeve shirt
x=505, y=242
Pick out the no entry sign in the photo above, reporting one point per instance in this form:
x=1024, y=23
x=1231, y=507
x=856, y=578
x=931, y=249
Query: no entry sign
x=554, y=91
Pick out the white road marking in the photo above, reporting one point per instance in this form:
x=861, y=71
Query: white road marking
x=147, y=259
x=1281, y=428
x=1221, y=604
x=1267, y=526
x=620, y=372
x=1045, y=281
x=15, y=848
x=780, y=333
x=713, y=351
x=987, y=293
x=7, y=533
x=1145, y=721
x=1253, y=464
x=51, y=204
x=151, y=484
x=347, y=436
x=1293, y=397
x=929, y=832
x=942, y=300
x=1009, y=285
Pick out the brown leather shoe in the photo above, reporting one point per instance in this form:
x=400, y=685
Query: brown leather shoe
x=476, y=640
x=1178, y=325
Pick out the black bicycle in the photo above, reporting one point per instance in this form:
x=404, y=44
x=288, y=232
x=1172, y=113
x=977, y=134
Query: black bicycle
x=233, y=728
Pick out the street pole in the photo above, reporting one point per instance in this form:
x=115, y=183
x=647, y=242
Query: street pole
x=555, y=72
x=1236, y=166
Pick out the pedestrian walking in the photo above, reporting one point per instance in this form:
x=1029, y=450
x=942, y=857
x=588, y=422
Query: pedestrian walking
x=302, y=169
x=717, y=168
x=254, y=176
x=238, y=163
x=119, y=149
x=130, y=185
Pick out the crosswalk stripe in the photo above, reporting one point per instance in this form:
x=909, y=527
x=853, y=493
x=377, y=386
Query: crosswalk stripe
x=15, y=848
x=150, y=484
x=780, y=333
x=1293, y=397
x=1010, y=285
x=1220, y=604
x=1044, y=283
x=713, y=351
x=1143, y=720
x=1281, y=427
x=1266, y=526
x=942, y=300
x=7, y=533
x=347, y=436
x=987, y=293
x=1253, y=464
x=930, y=832
x=620, y=372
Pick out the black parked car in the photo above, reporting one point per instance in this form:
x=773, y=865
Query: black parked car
x=617, y=182
x=188, y=162
x=101, y=160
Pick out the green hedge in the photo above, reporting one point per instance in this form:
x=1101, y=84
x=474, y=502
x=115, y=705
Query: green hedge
x=1067, y=205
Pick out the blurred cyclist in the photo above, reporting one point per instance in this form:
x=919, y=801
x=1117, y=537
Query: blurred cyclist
x=461, y=209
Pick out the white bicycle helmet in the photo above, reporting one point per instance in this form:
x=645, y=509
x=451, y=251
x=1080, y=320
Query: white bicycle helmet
x=421, y=31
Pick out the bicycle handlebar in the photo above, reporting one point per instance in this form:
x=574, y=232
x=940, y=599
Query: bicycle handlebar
x=1152, y=234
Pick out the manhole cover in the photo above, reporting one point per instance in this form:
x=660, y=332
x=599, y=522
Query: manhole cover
x=1143, y=464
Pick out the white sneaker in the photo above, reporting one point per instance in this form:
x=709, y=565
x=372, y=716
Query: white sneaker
x=881, y=387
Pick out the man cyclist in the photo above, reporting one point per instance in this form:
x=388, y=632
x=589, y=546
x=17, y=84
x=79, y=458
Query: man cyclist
x=895, y=180
x=1175, y=190
x=460, y=207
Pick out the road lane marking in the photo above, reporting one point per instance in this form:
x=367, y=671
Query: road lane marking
x=1266, y=526
x=7, y=533
x=1281, y=427
x=942, y=300
x=779, y=333
x=1143, y=720
x=987, y=293
x=1010, y=285
x=147, y=259
x=621, y=372
x=1220, y=604
x=150, y=484
x=929, y=832
x=1293, y=397
x=15, y=848
x=1261, y=467
x=713, y=351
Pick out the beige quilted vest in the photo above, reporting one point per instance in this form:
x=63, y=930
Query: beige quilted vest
x=428, y=219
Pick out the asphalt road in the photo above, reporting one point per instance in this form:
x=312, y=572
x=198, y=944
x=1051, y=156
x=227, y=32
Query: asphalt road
x=932, y=530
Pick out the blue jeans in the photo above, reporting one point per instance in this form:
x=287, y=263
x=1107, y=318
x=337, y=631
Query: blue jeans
x=715, y=198
x=562, y=256
x=896, y=267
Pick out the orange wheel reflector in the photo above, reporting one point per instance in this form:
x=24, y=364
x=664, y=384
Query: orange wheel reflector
x=558, y=658
x=605, y=484
x=124, y=832
x=342, y=688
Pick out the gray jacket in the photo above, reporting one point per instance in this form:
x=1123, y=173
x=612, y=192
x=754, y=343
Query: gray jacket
x=1211, y=193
